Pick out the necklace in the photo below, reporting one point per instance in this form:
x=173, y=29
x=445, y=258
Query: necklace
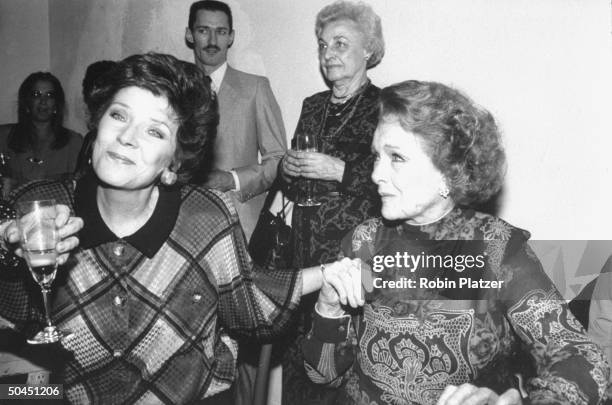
x=433, y=220
x=338, y=109
x=346, y=97
x=333, y=132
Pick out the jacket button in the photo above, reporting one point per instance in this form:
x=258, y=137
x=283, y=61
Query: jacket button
x=196, y=297
x=341, y=328
x=117, y=353
x=118, y=250
x=118, y=301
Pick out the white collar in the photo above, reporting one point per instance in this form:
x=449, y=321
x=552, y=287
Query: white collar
x=217, y=76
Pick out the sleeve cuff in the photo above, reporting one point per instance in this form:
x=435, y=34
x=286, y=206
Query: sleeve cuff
x=346, y=176
x=236, y=180
x=330, y=330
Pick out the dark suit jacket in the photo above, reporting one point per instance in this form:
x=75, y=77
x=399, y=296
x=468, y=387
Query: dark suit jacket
x=250, y=126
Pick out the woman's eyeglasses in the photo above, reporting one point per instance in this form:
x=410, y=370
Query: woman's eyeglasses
x=38, y=95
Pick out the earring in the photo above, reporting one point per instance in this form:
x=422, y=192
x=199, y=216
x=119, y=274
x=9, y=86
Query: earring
x=444, y=191
x=168, y=178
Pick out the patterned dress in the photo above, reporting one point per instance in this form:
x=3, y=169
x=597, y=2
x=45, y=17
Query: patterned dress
x=344, y=131
x=407, y=344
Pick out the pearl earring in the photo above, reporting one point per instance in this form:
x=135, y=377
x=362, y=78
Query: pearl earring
x=168, y=178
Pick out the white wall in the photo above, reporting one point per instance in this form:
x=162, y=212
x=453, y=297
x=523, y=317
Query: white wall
x=543, y=67
x=24, y=39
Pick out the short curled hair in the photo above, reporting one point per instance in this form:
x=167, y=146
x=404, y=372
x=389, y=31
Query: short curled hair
x=460, y=137
x=193, y=103
x=364, y=17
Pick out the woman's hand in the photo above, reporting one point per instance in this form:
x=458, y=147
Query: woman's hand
x=468, y=394
x=290, y=166
x=341, y=286
x=312, y=165
x=67, y=228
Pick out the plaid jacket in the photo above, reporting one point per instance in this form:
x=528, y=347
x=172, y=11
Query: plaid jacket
x=152, y=313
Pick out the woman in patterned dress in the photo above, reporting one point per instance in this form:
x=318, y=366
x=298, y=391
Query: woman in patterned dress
x=419, y=338
x=343, y=119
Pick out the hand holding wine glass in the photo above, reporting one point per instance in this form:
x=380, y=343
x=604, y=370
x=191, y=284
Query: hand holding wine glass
x=39, y=237
x=307, y=142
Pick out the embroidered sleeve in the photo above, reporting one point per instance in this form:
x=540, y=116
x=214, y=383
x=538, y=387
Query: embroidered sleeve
x=329, y=349
x=569, y=367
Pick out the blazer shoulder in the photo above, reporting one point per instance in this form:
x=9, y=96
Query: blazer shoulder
x=244, y=79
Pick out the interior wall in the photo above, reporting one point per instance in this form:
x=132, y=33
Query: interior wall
x=542, y=67
x=24, y=35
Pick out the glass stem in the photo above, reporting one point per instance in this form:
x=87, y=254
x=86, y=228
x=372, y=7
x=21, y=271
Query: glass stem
x=45, y=294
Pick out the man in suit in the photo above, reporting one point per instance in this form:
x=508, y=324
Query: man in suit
x=250, y=119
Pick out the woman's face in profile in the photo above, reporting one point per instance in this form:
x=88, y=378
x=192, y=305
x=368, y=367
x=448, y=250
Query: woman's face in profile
x=136, y=139
x=408, y=182
x=342, y=52
x=42, y=101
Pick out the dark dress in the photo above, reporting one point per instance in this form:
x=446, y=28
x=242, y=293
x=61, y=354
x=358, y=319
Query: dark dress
x=49, y=163
x=407, y=344
x=344, y=131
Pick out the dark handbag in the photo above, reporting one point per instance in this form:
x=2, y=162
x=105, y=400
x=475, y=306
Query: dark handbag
x=270, y=242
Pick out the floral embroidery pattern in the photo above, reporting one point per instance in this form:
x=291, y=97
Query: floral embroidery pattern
x=496, y=229
x=484, y=342
x=411, y=359
x=365, y=233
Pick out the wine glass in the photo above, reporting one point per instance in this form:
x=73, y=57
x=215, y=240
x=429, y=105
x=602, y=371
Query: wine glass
x=5, y=174
x=39, y=236
x=306, y=142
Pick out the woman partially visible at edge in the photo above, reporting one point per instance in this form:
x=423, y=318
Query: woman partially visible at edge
x=437, y=153
x=350, y=41
x=162, y=276
x=38, y=146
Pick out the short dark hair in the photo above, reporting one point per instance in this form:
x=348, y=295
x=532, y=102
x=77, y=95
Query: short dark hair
x=93, y=73
x=182, y=83
x=461, y=138
x=21, y=139
x=210, y=5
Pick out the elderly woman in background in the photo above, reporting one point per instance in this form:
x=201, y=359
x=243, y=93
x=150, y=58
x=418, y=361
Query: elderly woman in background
x=162, y=276
x=437, y=153
x=343, y=120
x=38, y=146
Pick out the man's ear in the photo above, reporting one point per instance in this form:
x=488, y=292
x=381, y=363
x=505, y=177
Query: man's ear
x=231, y=39
x=188, y=36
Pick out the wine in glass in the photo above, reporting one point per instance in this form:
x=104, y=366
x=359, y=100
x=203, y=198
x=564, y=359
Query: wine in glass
x=306, y=142
x=39, y=236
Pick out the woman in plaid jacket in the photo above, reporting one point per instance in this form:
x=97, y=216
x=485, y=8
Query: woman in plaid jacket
x=162, y=276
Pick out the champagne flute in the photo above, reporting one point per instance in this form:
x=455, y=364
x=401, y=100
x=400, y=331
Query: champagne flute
x=306, y=142
x=39, y=236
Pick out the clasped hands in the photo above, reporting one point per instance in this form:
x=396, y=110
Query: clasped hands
x=67, y=228
x=341, y=287
x=312, y=165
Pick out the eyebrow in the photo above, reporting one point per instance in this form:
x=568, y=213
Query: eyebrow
x=155, y=120
x=210, y=26
x=161, y=122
